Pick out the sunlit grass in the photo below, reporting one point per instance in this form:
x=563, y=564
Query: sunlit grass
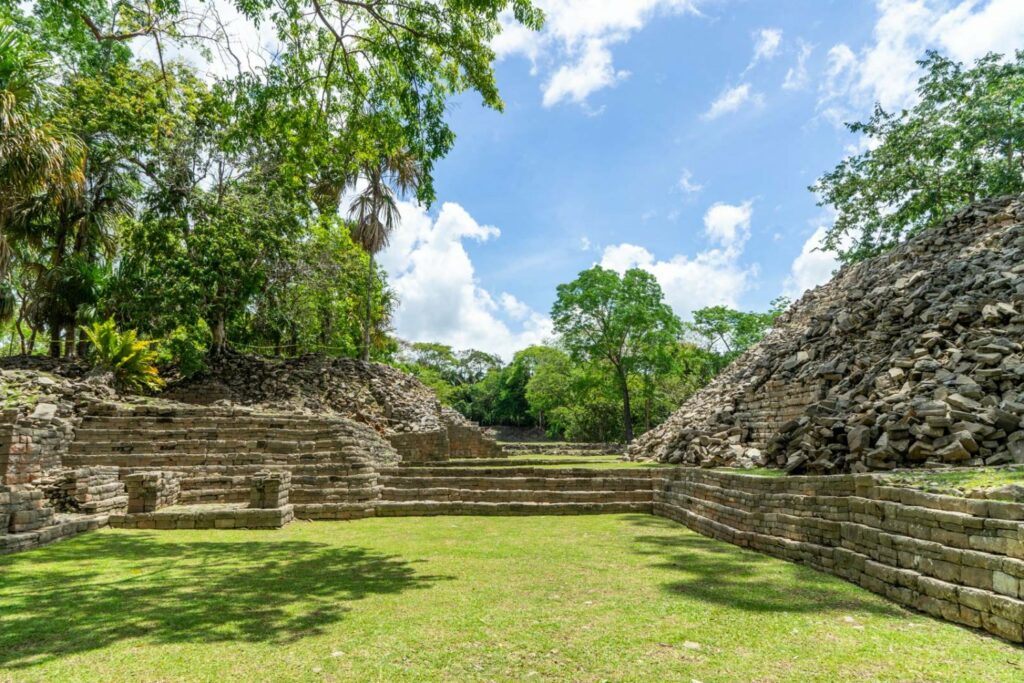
x=590, y=598
x=958, y=481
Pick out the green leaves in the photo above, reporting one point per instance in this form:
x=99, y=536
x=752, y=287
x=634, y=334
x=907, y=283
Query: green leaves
x=621, y=322
x=129, y=359
x=963, y=141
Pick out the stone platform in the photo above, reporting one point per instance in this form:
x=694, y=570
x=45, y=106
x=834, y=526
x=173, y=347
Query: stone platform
x=213, y=516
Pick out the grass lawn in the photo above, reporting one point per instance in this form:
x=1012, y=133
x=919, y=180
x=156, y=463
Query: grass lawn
x=625, y=597
x=959, y=481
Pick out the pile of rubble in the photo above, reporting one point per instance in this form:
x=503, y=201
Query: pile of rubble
x=912, y=358
x=387, y=399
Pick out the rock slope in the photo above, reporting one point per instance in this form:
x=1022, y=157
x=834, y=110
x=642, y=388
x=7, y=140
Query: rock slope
x=911, y=358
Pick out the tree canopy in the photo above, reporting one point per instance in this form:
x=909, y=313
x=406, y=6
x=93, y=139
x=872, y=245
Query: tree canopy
x=203, y=205
x=962, y=141
x=619, y=320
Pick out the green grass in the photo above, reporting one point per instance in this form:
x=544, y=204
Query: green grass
x=960, y=481
x=754, y=471
x=590, y=462
x=624, y=598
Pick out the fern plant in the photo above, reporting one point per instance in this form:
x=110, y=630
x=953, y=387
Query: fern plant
x=130, y=359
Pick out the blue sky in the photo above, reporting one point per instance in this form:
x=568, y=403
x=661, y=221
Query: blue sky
x=675, y=135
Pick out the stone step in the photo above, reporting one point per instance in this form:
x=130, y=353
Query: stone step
x=433, y=470
x=160, y=433
x=254, y=445
x=335, y=495
x=191, y=419
x=340, y=510
x=516, y=495
x=432, y=507
x=520, y=483
x=358, y=470
x=62, y=526
x=172, y=460
x=507, y=462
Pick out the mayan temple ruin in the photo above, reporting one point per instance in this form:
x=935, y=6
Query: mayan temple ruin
x=909, y=359
x=511, y=341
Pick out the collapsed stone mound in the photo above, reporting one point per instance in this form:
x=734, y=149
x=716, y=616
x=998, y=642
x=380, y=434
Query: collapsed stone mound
x=397, y=405
x=912, y=358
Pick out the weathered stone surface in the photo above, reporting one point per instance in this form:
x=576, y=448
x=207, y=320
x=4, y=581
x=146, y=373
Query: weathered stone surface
x=398, y=406
x=911, y=358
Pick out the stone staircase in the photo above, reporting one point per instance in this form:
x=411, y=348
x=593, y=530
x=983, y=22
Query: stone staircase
x=217, y=452
x=414, y=490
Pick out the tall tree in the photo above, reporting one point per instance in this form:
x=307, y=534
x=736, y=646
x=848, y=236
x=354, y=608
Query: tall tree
x=962, y=141
x=375, y=215
x=621, y=321
x=40, y=162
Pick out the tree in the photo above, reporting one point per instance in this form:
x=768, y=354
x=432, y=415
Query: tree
x=620, y=321
x=730, y=331
x=962, y=141
x=38, y=159
x=375, y=215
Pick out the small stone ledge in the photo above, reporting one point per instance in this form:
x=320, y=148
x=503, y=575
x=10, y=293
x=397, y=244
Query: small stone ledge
x=207, y=517
x=64, y=526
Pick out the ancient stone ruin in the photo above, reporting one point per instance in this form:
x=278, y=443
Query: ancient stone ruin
x=908, y=359
x=912, y=358
x=397, y=406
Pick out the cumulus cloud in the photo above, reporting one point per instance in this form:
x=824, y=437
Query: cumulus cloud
x=713, y=277
x=812, y=267
x=573, y=50
x=886, y=71
x=575, y=82
x=728, y=224
x=440, y=298
x=732, y=99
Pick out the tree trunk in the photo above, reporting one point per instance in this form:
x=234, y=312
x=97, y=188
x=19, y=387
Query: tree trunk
x=55, y=327
x=219, y=334
x=369, y=309
x=83, y=343
x=17, y=326
x=69, y=341
x=627, y=411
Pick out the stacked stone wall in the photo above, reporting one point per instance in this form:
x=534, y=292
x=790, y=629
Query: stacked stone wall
x=86, y=490
x=419, y=447
x=958, y=559
x=32, y=442
x=150, y=491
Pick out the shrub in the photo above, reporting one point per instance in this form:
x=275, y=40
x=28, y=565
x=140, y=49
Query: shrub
x=131, y=360
x=184, y=350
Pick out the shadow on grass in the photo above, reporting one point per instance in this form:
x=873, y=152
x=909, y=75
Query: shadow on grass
x=91, y=592
x=719, y=573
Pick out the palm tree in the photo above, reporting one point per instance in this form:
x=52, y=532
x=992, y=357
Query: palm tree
x=374, y=213
x=36, y=159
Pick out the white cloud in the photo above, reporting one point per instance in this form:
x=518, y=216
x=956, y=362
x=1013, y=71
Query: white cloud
x=712, y=277
x=728, y=224
x=812, y=267
x=440, y=298
x=732, y=99
x=886, y=71
x=575, y=82
x=766, y=45
x=687, y=184
x=573, y=49
x=796, y=76
x=515, y=308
